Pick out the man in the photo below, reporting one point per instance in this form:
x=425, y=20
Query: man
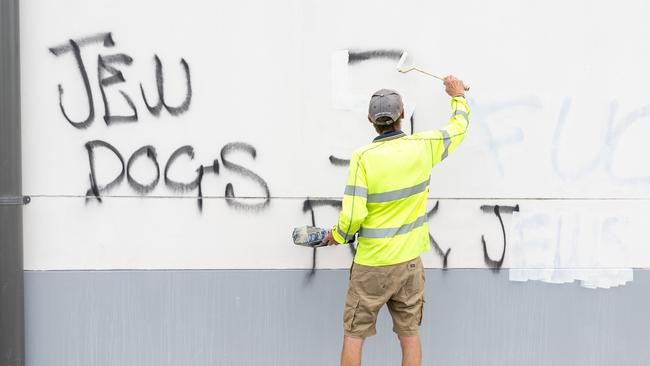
x=385, y=202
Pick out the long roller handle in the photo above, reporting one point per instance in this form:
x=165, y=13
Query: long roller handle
x=430, y=74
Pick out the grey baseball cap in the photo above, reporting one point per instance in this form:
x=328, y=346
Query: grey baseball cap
x=385, y=103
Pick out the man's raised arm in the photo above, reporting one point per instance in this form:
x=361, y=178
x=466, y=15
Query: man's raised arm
x=443, y=142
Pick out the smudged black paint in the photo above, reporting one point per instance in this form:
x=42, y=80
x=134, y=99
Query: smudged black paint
x=199, y=199
x=108, y=75
x=89, y=95
x=444, y=255
x=357, y=56
x=502, y=209
x=338, y=161
x=436, y=247
x=214, y=168
x=310, y=203
x=180, y=186
x=74, y=46
x=105, y=38
x=174, y=111
x=200, y=172
x=491, y=263
x=105, y=65
x=230, y=191
x=143, y=189
x=95, y=189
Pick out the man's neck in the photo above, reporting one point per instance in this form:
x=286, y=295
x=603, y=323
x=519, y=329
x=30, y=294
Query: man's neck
x=393, y=130
x=389, y=135
x=387, y=132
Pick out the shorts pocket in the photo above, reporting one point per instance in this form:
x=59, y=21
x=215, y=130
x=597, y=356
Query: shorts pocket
x=421, y=311
x=350, y=311
x=415, y=282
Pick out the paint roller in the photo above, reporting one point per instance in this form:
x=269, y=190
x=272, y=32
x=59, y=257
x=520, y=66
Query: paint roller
x=310, y=236
x=404, y=69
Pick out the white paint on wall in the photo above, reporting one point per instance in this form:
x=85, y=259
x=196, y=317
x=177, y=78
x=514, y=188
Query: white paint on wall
x=560, y=243
x=559, y=111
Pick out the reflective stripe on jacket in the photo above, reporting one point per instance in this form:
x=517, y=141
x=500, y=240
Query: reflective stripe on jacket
x=386, y=193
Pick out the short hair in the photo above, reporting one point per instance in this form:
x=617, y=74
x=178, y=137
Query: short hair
x=386, y=127
x=383, y=119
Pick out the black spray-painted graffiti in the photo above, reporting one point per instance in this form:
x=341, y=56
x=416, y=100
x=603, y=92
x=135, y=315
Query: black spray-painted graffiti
x=108, y=74
x=96, y=189
x=496, y=264
x=310, y=204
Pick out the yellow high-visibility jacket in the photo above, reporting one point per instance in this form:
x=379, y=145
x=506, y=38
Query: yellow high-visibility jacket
x=386, y=193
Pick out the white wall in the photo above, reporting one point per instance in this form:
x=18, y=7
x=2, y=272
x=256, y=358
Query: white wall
x=559, y=126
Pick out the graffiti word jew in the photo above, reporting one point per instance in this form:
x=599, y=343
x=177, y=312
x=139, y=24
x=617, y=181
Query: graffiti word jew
x=109, y=75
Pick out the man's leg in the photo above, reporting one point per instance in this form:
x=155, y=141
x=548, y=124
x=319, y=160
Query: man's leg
x=406, y=307
x=351, y=354
x=411, y=351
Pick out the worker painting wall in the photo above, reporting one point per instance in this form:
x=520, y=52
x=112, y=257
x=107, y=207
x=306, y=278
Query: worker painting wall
x=161, y=138
x=171, y=135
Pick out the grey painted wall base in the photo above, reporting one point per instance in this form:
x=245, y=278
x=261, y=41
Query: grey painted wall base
x=472, y=317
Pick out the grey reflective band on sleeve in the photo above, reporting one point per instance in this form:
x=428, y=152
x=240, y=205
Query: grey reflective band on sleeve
x=446, y=140
x=356, y=191
x=372, y=233
x=342, y=233
x=398, y=193
x=462, y=113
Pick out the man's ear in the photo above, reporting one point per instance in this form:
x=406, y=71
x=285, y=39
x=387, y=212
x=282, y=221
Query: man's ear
x=369, y=120
x=401, y=115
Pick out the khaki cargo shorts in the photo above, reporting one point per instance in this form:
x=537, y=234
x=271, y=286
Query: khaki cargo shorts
x=400, y=286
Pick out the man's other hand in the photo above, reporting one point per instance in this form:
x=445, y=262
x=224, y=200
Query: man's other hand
x=454, y=86
x=329, y=239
